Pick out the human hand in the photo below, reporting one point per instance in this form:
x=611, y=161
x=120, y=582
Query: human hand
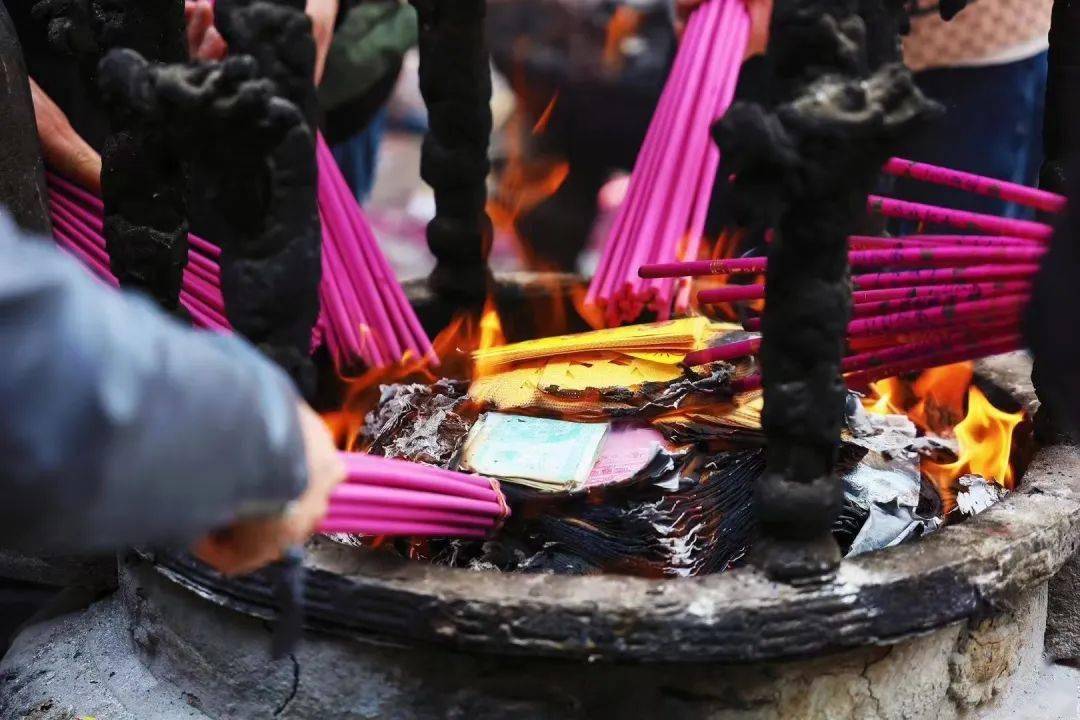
x=760, y=16
x=323, y=14
x=64, y=150
x=248, y=545
x=203, y=39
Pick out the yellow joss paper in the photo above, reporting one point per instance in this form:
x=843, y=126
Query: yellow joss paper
x=676, y=337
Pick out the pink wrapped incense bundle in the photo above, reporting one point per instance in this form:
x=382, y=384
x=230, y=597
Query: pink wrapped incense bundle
x=663, y=216
x=383, y=496
x=977, y=184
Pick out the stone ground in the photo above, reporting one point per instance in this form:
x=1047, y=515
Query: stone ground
x=89, y=656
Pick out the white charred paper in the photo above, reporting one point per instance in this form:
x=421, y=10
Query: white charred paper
x=886, y=482
x=548, y=455
x=978, y=495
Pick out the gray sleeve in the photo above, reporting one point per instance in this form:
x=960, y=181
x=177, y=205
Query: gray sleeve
x=120, y=426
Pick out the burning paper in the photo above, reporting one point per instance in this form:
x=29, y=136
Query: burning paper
x=977, y=494
x=886, y=484
x=547, y=455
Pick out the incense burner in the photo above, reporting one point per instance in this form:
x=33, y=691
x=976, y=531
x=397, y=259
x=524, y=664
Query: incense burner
x=932, y=628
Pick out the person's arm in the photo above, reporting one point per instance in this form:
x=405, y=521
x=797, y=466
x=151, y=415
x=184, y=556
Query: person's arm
x=64, y=150
x=323, y=14
x=120, y=426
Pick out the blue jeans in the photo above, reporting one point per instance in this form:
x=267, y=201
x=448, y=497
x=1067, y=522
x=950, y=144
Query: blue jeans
x=992, y=126
x=358, y=157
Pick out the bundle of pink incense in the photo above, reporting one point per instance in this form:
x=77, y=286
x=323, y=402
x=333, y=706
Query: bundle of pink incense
x=663, y=216
x=390, y=497
x=78, y=227
x=365, y=312
x=365, y=317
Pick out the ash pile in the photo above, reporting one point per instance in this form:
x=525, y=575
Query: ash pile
x=614, y=457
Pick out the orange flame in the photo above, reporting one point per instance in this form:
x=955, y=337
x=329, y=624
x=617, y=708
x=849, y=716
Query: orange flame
x=935, y=402
x=985, y=437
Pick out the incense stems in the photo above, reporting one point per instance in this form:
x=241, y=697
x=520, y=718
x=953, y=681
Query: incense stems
x=960, y=219
x=382, y=496
x=376, y=309
x=663, y=215
x=365, y=314
x=736, y=293
x=904, y=257
x=977, y=184
x=915, y=363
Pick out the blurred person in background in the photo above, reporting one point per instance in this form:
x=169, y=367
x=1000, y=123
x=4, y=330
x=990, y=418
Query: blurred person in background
x=363, y=63
x=987, y=66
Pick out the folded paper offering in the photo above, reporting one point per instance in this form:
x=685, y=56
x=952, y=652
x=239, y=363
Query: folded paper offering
x=634, y=371
x=547, y=455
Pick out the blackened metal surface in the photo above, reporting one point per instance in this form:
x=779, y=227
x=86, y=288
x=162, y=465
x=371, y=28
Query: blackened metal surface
x=455, y=81
x=22, y=176
x=804, y=162
x=143, y=182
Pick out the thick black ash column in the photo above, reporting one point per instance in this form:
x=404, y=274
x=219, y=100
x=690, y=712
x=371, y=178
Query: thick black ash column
x=143, y=182
x=805, y=156
x=257, y=176
x=23, y=193
x=455, y=80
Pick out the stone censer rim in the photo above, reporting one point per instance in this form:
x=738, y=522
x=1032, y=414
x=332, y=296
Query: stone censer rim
x=964, y=571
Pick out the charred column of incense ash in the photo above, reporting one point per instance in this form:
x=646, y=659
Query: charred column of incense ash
x=455, y=80
x=277, y=34
x=22, y=174
x=1061, y=136
x=1061, y=144
x=143, y=181
x=255, y=152
x=810, y=159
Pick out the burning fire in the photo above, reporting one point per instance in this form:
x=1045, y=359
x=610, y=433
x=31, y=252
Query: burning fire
x=935, y=402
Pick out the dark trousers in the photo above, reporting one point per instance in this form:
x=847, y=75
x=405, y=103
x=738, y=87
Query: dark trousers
x=992, y=126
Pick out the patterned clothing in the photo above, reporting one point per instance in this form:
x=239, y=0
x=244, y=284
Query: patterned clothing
x=987, y=32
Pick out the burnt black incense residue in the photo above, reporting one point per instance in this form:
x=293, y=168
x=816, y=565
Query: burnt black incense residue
x=255, y=154
x=143, y=181
x=805, y=154
x=455, y=81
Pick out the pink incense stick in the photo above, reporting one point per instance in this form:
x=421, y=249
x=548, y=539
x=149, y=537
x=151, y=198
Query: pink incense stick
x=977, y=273
x=993, y=346
x=977, y=184
x=444, y=517
x=938, y=316
x=905, y=257
x=334, y=524
x=961, y=219
x=735, y=293
x=664, y=211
